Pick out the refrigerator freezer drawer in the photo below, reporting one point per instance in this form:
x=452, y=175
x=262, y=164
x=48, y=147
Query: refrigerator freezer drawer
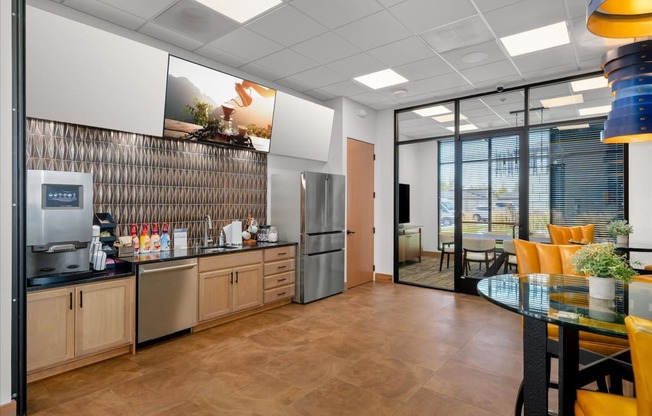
x=318, y=243
x=321, y=275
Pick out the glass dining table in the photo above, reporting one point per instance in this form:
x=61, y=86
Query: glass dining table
x=562, y=300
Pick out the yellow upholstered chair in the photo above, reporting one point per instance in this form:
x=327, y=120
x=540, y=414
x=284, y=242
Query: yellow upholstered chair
x=564, y=235
x=592, y=403
x=557, y=259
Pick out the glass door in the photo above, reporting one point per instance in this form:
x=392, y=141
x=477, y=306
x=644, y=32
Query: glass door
x=489, y=206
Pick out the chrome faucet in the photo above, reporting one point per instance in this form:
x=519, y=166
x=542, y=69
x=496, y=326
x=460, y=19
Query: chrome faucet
x=208, y=225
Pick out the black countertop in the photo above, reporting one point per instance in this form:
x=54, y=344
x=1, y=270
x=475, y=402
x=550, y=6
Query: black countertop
x=126, y=266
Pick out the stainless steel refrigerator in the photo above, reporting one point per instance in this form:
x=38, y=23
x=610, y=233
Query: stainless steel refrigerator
x=309, y=207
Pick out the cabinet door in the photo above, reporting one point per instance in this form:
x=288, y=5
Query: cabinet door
x=413, y=246
x=105, y=316
x=248, y=287
x=50, y=328
x=402, y=242
x=215, y=294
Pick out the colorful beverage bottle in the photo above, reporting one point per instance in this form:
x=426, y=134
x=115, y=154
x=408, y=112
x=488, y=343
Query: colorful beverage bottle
x=145, y=242
x=155, y=239
x=134, y=238
x=165, y=238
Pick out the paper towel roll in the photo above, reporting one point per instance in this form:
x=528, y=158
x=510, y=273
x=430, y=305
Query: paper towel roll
x=236, y=233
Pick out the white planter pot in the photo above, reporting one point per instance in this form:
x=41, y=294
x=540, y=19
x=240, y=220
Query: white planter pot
x=602, y=287
x=622, y=240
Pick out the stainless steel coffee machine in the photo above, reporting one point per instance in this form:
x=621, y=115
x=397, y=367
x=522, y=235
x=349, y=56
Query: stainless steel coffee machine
x=59, y=220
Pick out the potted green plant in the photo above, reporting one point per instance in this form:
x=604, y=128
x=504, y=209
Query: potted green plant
x=621, y=230
x=604, y=266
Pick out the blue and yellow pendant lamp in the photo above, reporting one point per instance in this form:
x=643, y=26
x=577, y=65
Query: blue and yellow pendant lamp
x=628, y=68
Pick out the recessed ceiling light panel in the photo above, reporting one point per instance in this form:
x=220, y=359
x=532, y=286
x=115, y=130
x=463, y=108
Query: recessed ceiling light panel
x=464, y=127
x=381, y=79
x=562, y=101
x=241, y=10
x=432, y=111
x=589, y=84
x=537, y=39
x=448, y=118
x=591, y=111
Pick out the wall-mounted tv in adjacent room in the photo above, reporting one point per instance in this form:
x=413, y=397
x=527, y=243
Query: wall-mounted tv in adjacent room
x=207, y=105
x=403, y=203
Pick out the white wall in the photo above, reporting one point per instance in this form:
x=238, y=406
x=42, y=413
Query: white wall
x=418, y=168
x=5, y=201
x=640, y=198
x=384, y=208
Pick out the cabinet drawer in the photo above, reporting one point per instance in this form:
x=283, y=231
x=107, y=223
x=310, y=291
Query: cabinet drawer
x=279, y=253
x=279, y=293
x=228, y=261
x=279, y=280
x=279, y=267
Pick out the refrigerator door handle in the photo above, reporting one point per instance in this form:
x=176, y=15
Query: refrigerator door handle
x=349, y=232
x=327, y=214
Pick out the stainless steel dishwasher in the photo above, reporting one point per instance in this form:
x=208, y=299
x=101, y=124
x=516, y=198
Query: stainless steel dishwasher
x=167, y=298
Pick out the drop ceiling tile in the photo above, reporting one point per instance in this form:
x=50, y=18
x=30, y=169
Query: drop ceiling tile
x=460, y=34
x=159, y=32
x=287, y=26
x=576, y=9
x=415, y=98
x=425, y=68
x=531, y=62
x=390, y=3
x=441, y=82
x=412, y=91
x=345, y=89
x=356, y=65
x=326, y=48
x=286, y=62
x=402, y=52
x=106, y=12
x=491, y=71
x=145, y=9
x=550, y=72
x=196, y=21
x=294, y=84
x=372, y=98
x=489, y=5
x=372, y=31
x=246, y=44
x=261, y=71
x=422, y=15
x=220, y=56
x=318, y=77
x=320, y=94
x=336, y=13
x=525, y=15
x=493, y=51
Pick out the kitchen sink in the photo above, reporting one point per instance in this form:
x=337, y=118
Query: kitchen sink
x=219, y=249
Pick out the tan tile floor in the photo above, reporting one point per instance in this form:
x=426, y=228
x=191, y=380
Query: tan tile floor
x=379, y=349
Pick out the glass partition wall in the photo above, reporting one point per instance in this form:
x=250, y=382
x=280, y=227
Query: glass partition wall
x=479, y=171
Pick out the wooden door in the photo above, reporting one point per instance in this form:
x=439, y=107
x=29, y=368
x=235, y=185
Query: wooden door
x=248, y=287
x=359, y=213
x=215, y=294
x=50, y=328
x=104, y=316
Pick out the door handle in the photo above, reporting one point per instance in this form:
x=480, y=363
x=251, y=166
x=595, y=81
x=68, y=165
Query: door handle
x=349, y=232
x=236, y=277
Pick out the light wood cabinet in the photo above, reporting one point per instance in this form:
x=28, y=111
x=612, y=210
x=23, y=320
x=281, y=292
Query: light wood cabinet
x=229, y=283
x=104, y=316
x=409, y=245
x=50, y=328
x=280, y=273
x=69, y=324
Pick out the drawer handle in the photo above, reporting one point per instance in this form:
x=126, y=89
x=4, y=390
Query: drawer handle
x=281, y=267
x=281, y=280
x=231, y=277
x=81, y=298
x=236, y=277
x=70, y=300
x=281, y=254
x=281, y=294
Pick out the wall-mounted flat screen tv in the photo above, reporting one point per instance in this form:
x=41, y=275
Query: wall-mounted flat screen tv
x=403, y=203
x=207, y=105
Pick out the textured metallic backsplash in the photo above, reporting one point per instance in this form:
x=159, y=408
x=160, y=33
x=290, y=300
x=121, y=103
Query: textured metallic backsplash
x=140, y=178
